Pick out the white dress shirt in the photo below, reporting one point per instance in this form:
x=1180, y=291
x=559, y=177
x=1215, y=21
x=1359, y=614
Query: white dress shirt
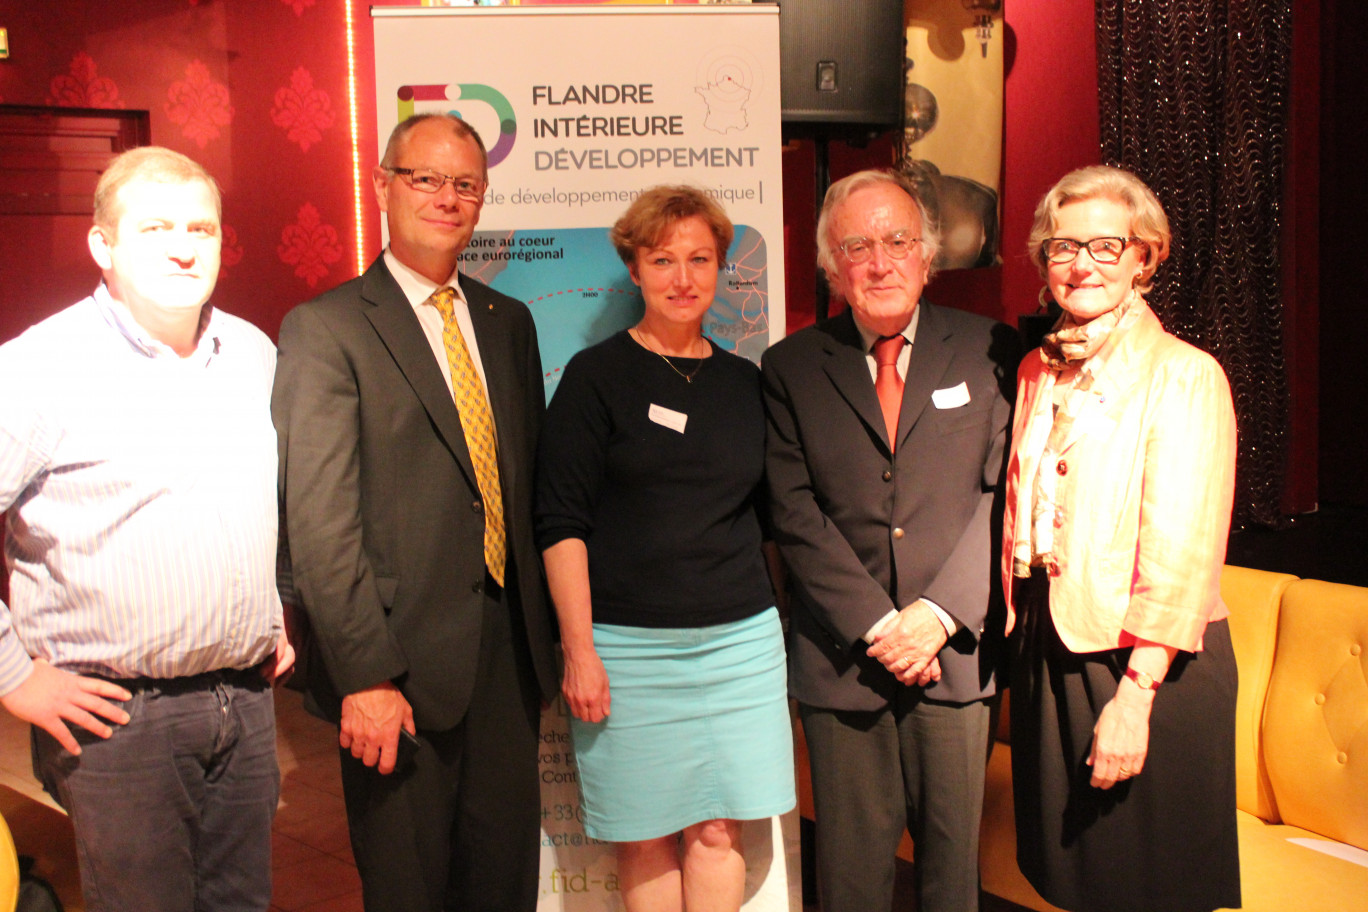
x=418, y=288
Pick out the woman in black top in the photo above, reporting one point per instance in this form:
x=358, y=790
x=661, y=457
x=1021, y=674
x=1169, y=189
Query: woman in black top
x=649, y=473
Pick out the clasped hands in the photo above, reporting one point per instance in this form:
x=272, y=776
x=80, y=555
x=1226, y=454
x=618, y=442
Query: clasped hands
x=909, y=643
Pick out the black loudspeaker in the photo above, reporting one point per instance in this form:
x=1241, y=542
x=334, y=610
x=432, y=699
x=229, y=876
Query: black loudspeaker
x=842, y=63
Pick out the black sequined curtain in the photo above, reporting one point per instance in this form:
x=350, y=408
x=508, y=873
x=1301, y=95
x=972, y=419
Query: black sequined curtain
x=1192, y=96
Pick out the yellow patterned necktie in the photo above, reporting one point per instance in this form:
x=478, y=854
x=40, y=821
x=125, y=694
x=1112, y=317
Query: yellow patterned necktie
x=478, y=424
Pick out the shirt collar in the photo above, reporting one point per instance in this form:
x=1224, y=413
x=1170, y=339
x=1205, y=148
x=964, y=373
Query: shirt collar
x=118, y=316
x=868, y=337
x=416, y=287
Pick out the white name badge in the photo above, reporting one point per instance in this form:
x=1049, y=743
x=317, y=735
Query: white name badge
x=669, y=418
x=951, y=396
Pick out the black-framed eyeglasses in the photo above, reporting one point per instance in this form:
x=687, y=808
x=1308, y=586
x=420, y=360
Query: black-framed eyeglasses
x=1105, y=251
x=425, y=180
x=897, y=245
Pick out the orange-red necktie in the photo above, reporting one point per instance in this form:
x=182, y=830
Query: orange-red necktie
x=887, y=384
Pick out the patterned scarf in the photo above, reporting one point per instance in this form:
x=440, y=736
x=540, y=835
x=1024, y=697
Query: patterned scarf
x=1071, y=342
x=1068, y=344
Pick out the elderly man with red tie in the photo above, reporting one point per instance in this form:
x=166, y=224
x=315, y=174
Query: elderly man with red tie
x=885, y=454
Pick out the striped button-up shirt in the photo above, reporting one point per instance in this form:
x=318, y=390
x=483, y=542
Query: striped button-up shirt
x=141, y=534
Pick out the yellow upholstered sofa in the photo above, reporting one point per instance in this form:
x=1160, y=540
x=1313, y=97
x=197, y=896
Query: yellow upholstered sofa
x=9, y=869
x=1301, y=755
x=1301, y=752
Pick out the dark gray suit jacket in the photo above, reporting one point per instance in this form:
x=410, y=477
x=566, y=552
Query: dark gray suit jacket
x=864, y=532
x=382, y=510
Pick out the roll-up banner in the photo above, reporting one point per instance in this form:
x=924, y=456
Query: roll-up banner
x=582, y=108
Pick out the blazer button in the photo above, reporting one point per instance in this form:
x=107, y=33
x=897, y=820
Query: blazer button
x=887, y=475
x=1062, y=467
x=898, y=533
x=477, y=506
x=477, y=587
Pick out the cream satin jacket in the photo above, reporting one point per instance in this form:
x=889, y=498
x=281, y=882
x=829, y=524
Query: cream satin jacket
x=1144, y=493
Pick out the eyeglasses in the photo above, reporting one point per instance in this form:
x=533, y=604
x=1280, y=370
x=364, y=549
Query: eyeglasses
x=425, y=180
x=858, y=250
x=1105, y=251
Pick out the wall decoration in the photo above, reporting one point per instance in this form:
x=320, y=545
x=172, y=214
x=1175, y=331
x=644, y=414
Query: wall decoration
x=200, y=104
x=952, y=142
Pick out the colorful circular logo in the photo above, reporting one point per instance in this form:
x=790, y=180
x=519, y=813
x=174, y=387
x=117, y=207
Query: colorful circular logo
x=410, y=96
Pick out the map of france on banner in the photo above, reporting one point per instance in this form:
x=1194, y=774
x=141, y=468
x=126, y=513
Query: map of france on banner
x=597, y=104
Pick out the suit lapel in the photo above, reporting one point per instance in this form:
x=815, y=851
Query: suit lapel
x=393, y=319
x=931, y=355
x=848, y=370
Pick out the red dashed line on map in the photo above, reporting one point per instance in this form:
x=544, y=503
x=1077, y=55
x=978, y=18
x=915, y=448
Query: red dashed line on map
x=555, y=294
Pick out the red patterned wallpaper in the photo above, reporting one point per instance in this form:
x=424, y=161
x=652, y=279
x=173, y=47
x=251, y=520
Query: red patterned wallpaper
x=256, y=91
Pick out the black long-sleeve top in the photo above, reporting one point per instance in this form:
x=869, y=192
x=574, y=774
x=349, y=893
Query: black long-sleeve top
x=668, y=515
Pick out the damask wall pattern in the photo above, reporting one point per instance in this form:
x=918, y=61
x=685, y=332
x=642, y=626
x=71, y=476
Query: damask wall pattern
x=256, y=91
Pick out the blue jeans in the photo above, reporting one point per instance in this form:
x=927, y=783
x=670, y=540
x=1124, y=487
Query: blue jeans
x=173, y=812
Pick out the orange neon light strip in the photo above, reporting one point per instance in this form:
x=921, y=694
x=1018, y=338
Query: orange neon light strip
x=355, y=144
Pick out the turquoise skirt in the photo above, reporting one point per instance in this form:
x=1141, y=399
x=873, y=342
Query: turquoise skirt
x=698, y=730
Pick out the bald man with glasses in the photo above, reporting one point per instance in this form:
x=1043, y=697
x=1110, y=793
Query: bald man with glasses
x=407, y=404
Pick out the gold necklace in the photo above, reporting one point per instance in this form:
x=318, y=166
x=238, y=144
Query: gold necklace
x=688, y=378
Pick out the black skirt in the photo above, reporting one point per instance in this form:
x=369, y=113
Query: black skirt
x=1163, y=841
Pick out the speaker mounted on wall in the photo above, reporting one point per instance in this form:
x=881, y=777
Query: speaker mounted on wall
x=842, y=66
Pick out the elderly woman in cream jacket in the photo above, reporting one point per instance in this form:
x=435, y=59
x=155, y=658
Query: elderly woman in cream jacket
x=1118, y=506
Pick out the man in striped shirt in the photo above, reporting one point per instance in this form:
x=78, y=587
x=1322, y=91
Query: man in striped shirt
x=137, y=465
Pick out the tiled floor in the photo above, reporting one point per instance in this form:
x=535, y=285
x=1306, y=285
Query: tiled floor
x=312, y=864
x=312, y=858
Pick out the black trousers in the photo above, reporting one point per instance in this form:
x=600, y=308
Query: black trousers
x=916, y=766
x=459, y=828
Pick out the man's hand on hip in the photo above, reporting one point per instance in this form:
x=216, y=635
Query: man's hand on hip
x=50, y=695
x=371, y=720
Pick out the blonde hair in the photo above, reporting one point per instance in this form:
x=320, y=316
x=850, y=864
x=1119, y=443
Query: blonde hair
x=1147, y=219
x=657, y=210
x=153, y=163
x=842, y=190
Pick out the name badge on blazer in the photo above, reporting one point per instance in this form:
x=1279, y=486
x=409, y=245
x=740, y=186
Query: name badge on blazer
x=669, y=418
x=951, y=396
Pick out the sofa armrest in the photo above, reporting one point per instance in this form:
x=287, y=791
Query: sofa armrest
x=1254, y=597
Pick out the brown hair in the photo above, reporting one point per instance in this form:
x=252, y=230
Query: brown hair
x=658, y=209
x=153, y=163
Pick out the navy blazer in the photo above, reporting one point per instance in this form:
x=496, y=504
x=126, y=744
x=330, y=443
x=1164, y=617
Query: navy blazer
x=864, y=530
